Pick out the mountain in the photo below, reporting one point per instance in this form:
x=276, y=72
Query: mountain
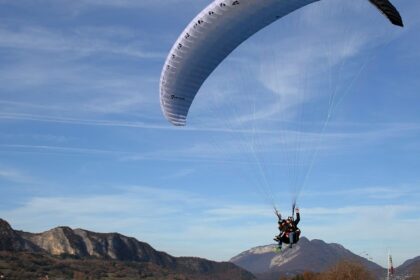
x=409, y=267
x=314, y=255
x=63, y=252
x=82, y=244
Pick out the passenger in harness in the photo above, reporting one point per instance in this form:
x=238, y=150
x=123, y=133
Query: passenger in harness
x=289, y=232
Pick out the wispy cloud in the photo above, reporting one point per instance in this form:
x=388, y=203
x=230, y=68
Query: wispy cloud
x=240, y=146
x=14, y=176
x=90, y=122
x=230, y=146
x=180, y=173
x=79, y=89
x=142, y=4
x=57, y=149
x=375, y=193
x=64, y=71
x=83, y=41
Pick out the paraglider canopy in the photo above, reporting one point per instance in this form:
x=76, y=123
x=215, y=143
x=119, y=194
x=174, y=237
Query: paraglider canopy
x=212, y=35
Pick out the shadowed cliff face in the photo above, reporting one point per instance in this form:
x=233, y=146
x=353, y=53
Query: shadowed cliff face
x=97, y=249
x=12, y=241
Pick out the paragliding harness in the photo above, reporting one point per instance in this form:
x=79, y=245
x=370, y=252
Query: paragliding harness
x=289, y=232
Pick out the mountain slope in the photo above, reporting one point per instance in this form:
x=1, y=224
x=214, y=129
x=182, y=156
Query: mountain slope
x=314, y=255
x=409, y=267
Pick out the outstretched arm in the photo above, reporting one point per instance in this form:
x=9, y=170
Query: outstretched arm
x=297, y=217
x=277, y=214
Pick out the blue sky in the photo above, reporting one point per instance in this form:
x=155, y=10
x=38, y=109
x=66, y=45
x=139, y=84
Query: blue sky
x=83, y=141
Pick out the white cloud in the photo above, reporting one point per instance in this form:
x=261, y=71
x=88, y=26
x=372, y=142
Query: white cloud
x=140, y=4
x=69, y=87
x=375, y=193
x=235, y=147
x=180, y=173
x=85, y=41
x=60, y=149
x=79, y=121
x=242, y=146
x=14, y=176
x=66, y=72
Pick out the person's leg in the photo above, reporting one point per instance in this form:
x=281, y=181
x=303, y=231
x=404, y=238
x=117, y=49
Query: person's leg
x=282, y=239
x=279, y=237
x=291, y=239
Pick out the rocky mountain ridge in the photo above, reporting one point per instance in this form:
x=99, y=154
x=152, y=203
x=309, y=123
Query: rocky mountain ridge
x=82, y=244
x=53, y=245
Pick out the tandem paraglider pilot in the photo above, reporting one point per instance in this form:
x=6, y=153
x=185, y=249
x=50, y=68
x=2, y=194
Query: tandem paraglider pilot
x=289, y=232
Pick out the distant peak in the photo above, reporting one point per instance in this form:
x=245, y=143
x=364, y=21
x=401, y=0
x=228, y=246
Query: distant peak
x=62, y=228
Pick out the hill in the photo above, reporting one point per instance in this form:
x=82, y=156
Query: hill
x=314, y=255
x=410, y=269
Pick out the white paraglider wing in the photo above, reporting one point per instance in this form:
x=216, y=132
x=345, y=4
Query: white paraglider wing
x=219, y=29
x=213, y=34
